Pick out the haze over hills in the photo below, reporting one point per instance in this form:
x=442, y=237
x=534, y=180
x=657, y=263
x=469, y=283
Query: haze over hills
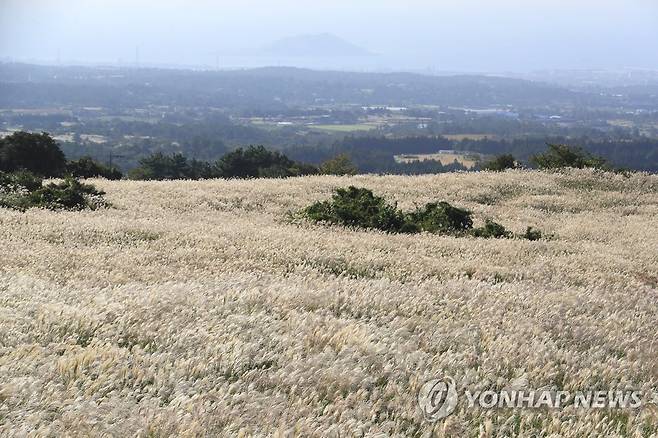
x=415, y=35
x=29, y=85
x=323, y=51
x=319, y=45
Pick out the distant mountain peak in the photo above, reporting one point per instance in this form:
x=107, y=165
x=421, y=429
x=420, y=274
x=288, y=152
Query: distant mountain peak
x=316, y=46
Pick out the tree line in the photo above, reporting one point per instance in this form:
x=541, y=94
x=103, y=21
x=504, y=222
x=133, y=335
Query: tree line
x=40, y=155
x=376, y=154
x=250, y=162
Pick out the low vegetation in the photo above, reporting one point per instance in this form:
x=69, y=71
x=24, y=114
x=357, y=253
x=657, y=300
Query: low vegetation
x=23, y=190
x=360, y=208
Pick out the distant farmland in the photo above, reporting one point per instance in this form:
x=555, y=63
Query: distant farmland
x=460, y=137
x=468, y=160
x=344, y=128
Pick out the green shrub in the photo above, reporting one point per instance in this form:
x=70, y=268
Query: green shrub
x=360, y=208
x=441, y=217
x=23, y=190
x=20, y=180
x=491, y=229
x=69, y=194
x=357, y=207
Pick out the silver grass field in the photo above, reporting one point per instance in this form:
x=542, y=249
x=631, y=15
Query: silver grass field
x=207, y=309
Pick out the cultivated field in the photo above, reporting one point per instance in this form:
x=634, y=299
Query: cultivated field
x=466, y=160
x=460, y=137
x=345, y=128
x=199, y=309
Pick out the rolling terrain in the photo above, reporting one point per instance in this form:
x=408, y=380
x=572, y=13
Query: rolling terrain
x=206, y=309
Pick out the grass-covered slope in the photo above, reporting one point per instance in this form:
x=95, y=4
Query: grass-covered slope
x=193, y=308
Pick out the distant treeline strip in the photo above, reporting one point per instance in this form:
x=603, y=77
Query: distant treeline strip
x=375, y=154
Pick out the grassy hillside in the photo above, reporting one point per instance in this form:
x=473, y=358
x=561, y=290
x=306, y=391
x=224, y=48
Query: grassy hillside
x=194, y=308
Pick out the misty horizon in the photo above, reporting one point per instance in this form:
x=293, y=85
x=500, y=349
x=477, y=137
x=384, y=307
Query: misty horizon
x=473, y=36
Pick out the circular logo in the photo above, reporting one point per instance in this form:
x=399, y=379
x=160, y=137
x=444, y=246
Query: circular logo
x=437, y=398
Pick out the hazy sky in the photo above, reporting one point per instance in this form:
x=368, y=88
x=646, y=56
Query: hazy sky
x=465, y=35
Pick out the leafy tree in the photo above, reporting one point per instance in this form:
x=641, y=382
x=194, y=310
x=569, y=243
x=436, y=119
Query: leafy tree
x=253, y=162
x=159, y=166
x=560, y=155
x=37, y=153
x=86, y=167
x=500, y=163
x=258, y=162
x=197, y=169
x=339, y=165
x=274, y=171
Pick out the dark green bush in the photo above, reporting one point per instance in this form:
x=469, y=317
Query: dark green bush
x=69, y=194
x=359, y=207
x=20, y=180
x=22, y=190
x=441, y=217
x=491, y=229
